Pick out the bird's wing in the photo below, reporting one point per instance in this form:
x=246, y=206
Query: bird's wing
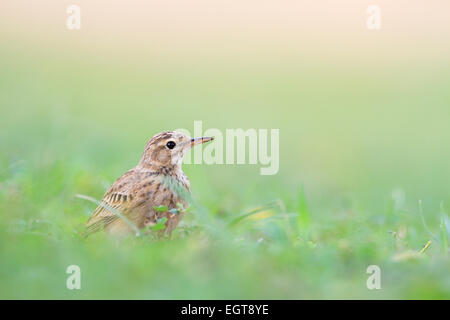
x=119, y=198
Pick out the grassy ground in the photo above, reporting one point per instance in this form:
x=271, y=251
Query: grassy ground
x=359, y=148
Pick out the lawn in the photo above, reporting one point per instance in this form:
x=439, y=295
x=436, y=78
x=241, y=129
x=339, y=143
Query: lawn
x=363, y=179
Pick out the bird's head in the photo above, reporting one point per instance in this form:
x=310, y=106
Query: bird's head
x=167, y=149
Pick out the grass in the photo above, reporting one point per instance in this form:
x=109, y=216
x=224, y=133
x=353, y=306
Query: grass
x=346, y=197
x=285, y=249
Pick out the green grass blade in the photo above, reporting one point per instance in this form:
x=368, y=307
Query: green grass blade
x=304, y=218
x=114, y=211
x=444, y=231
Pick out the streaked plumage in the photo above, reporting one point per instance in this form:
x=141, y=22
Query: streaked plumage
x=156, y=181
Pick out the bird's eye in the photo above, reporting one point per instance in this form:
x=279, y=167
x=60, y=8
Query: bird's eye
x=170, y=145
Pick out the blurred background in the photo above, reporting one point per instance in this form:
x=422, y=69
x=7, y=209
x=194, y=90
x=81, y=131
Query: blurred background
x=364, y=132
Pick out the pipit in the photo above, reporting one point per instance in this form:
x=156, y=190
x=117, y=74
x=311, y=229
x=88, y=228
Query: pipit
x=156, y=182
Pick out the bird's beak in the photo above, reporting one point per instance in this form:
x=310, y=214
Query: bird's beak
x=195, y=141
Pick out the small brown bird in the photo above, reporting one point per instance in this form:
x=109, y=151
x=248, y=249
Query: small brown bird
x=155, y=182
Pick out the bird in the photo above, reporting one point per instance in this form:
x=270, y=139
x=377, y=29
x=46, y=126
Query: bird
x=157, y=181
